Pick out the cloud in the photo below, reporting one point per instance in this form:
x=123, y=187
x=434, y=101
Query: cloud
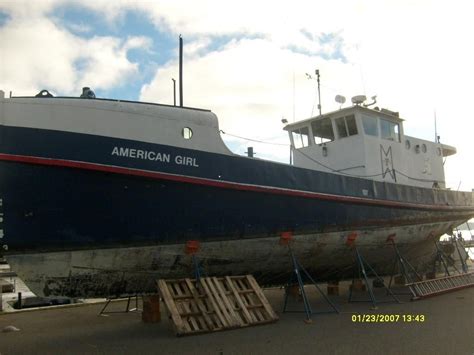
x=106, y=62
x=37, y=54
x=251, y=84
x=28, y=9
x=79, y=27
x=364, y=47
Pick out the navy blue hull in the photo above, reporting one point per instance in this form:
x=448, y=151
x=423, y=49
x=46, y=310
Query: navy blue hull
x=69, y=208
x=86, y=215
x=67, y=191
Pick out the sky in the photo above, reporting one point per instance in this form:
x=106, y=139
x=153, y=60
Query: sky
x=246, y=61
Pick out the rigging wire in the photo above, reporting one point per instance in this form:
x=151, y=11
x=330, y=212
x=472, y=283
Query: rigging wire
x=412, y=178
x=334, y=170
x=253, y=140
x=328, y=167
x=364, y=176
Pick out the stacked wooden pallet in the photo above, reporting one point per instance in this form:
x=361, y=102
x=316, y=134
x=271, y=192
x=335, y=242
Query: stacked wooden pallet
x=215, y=303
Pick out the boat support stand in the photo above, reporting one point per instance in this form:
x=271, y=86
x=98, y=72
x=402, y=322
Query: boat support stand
x=360, y=269
x=298, y=272
x=407, y=271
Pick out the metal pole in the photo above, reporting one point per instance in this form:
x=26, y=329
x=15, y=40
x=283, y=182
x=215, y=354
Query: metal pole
x=180, y=71
x=461, y=259
x=440, y=257
x=296, y=270
x=174, y=91
x=319, y=92
x=367, y=283
x=321, y=292
x=197, y=272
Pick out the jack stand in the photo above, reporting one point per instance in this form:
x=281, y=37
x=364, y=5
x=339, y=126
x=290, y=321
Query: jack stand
x=442, y=259
x=361, y=263
x=197, y=269
x=403, y=267
x=192, y=247
x=127, y=309
x=298, y=271
x=461, y=259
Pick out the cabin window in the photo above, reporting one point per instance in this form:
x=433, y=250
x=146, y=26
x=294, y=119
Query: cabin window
x=390, y=130
x=322, y=131
x=301, y=137
x=346, y=126
x=341, y=127
x=370, y=126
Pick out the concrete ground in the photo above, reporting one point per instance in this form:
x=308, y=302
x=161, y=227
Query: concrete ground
x=448, y=328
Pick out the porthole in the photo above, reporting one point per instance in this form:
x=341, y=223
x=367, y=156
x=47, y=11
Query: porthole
x=423, y=148
x=187, y=133
x=407, y=144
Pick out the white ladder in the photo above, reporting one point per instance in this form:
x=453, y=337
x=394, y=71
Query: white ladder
x=437, y=286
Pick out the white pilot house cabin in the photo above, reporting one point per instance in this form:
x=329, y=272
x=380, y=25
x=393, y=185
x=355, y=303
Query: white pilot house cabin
x=367, y=143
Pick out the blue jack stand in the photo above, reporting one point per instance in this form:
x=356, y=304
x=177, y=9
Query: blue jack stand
x=298, y=272
x=361, y=264
x=443, y=259
x=197, y=269
x=407, y=270
x=458, y=240
x=191, y=248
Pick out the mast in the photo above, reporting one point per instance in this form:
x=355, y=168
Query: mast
x=180, y=71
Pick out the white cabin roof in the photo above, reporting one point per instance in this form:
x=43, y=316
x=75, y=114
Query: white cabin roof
x=386, y=114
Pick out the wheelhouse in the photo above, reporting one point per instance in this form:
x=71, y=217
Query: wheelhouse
x=370, y=143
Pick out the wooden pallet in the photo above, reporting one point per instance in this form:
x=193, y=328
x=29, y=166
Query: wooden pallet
x=215, y=303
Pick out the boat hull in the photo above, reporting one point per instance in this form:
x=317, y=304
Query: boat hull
x=122, y=271
x=84, y=216
x=49, y=208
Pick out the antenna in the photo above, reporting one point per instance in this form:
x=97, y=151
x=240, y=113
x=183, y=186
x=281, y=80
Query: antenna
x=319, y=89
x=319, y=92
x=180, y=71
x=436, y=130
x=293, y=96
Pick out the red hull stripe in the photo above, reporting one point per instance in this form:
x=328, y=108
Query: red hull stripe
x=221, y=184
